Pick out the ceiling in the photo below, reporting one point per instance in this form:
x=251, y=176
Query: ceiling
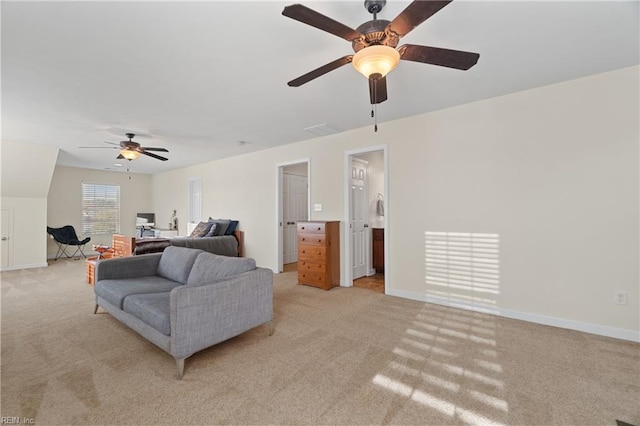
x=200, y=77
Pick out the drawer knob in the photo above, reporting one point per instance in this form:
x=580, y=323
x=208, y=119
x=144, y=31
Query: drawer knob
x=319, y=240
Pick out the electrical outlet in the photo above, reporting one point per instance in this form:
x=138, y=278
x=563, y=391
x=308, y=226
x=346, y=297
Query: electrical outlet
x=620, y=297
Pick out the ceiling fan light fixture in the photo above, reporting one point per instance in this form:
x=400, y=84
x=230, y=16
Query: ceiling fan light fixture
x=377, y=59
x=129, y=154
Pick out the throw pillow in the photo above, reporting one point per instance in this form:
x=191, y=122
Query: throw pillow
x=213, y=230
x=231, y=228
x=222, y=225
x=201, y=229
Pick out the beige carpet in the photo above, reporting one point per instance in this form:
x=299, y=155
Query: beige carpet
x=347, y=356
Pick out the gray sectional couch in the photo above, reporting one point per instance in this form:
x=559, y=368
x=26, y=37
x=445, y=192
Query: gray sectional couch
x=185, y=300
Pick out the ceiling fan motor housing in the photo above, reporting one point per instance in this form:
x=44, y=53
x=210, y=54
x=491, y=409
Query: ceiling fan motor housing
x=374, y=6
x=374, y=34
x=131, y=145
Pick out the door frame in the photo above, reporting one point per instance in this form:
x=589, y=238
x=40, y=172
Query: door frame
x=279, y=261
x=347, y=272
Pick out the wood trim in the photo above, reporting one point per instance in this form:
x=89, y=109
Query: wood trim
x=240, y=237
x=123, y=245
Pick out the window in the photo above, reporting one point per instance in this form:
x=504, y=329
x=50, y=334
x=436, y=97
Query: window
x=195, y=200
x=100, y=209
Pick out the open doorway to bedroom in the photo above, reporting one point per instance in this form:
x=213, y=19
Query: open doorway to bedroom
x=366, y=246
x=293, y=207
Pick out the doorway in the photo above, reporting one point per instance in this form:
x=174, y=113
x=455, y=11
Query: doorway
x=293, y=207
x=366, y=253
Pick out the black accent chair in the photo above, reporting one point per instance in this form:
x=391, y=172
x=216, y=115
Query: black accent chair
x=64, y=237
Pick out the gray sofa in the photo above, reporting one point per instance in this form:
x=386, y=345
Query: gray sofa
x=185, y=300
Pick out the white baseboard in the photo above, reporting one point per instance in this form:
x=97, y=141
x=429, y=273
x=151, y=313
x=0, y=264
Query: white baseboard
x=28, y=266
x=601, y=330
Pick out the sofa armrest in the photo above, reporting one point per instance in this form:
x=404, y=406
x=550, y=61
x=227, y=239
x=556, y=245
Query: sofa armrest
x=204, y=315
x=127, y=267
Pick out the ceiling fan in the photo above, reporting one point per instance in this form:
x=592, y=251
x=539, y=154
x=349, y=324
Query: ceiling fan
x=375, y=43
x=131, y=150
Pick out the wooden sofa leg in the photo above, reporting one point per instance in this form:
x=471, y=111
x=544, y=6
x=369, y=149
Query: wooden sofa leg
x=271, y=328
x=95, y=311
x=180, y=367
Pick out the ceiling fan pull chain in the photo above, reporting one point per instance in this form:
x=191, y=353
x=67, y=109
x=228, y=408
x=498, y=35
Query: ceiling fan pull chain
x=375, y=122
x=374, y=107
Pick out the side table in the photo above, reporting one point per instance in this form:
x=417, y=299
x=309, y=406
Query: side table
x=91, y=266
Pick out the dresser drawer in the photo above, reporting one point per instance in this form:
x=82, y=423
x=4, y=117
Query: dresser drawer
x=312, y=253
x=311, y=266
x=311, y=240
x=311, y=228
x=313, y=278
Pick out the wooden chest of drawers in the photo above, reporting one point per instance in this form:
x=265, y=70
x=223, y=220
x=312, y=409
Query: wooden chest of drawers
x=319, y=254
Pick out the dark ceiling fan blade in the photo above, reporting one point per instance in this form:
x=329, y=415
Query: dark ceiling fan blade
x=320, y=71
x=157, y=157
x=120, y=157
x=155, y=149
x=457, y=59
x=377, y=89
x=112, y=143
x=415, y=14
x=311, y=17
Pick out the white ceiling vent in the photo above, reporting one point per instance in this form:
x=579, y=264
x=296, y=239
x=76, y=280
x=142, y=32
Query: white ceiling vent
x=322, y=130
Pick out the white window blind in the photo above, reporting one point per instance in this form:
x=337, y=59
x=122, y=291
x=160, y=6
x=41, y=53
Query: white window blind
x=100, y=209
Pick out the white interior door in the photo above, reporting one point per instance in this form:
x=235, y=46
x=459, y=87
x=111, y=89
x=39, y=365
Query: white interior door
x=5, y=237
x=359, y=217
x=295, y=209
x=288, y=228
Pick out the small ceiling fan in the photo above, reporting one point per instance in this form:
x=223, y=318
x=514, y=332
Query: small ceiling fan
x=131, y=150
x=375, y=43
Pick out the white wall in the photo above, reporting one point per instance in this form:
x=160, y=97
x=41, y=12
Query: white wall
x=65, y=200
x=26, y=176
x=551, y=172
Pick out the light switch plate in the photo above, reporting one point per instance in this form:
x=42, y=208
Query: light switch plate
x=317, y=207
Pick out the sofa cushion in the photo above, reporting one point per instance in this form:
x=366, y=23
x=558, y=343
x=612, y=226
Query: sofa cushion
x=115, y=291
x=210, y=267
x=176, y=262
x=152, y=309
